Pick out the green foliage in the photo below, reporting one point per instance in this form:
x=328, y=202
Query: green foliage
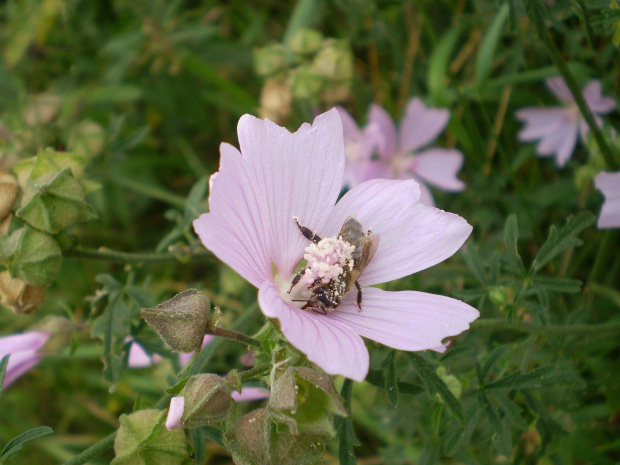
x=17, y=443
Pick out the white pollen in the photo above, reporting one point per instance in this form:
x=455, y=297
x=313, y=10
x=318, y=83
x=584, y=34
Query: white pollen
x=327, y=259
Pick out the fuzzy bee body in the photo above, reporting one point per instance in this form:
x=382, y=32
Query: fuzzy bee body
x=326, y=296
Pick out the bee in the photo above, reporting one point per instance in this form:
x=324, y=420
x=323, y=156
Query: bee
x=325, y=297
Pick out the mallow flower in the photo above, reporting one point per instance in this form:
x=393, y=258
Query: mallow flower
x=278, y=179
x=556, y=128
x=401, y=153
x=609, y=185
x=24, y=353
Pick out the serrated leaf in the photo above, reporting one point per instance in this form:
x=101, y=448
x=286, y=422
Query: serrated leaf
x=494, y=357
x=474, y=263
x=390, y=378
x=376, y=378
x=435, y=384
x=511, y=237
x=563, y=285
x=3, y=364
x=539, y=378
x=16, y=444
x=31, y=256
x=560, y=240
x=458, y=350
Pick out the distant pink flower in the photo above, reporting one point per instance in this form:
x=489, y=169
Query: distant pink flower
x=557, y=127
x=24, y=353
x=400, y=153
x=138, y=357
x=277, y=176
x=185, y=358
x=609, y=185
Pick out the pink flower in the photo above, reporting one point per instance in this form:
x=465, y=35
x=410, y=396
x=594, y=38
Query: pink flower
x=557, y=127
x=400, y=154
x=277, y=176
x=609, y=185
x=24, y=353
x=138, y=357
x=185, y=358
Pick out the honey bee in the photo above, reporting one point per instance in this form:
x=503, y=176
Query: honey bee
x=325, y=297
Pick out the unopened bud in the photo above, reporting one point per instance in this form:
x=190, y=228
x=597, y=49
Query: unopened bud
x=42, y=109
x=306, y=401
x=206, y=400
x=86, y=139
x=180, y=321
x=142, y=439
x=334, y=62
x=275, y=100
x=269, y=60
x=9, y=190
x=306, y=83
x=500, y=296
x=257, y=440
x=19, y=296
x=306, y=41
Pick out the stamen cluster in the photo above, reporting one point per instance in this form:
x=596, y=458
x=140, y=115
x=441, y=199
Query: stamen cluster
x=327, y=259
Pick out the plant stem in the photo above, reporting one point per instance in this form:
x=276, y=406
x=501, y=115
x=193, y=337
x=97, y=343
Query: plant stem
x=252, y=372
x=128, y=257
x=499, y=324
x=605, y=251
x=93, y=451
x=234, y=336
x=148, y=190
x=535, y=12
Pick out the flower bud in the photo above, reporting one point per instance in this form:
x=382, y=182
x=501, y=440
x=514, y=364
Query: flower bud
x=257, y=440
x=9, y=190
x=306, y=401
x=86, y=139
x=19, y=296
x=41, y=109
x=305, y=83
x=180, y=321
x=500, y=296
x=206, y=401
x=306, y=41
x=334, y=62
x=275, y=100
x=142, y=439
x=269, y=59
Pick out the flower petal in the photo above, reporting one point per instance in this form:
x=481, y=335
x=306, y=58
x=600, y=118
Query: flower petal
x=539, y=122
x=439, y=167
x=377, y=115
x=405, y=320
x=609, y=185
x=277, y=175
x=330, y=344
x=185, y=357
x=413, y=236
x=426, y=196
x=24, y=353
x=250, y=393
x=421, y=125
x=558, y=87
x=561, y=143
x=593, y=94
x=175, y=412
x=350, y=128
x=138, y=358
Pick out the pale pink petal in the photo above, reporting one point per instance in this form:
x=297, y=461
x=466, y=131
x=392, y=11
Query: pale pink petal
x=439, y=167
x=539, y=122
x=413, y=236
x=560, y=89
x=426, y=196
x=405, y=320
x=593, y=94
x=250, y=393
x=138, y=358
x=609, y=185
x=24, y=353
x=175, y=412
x=350, y=128
x=377, y=115
x=331, y=344
x=421, y=125
x=560, y=143
x=184, y=358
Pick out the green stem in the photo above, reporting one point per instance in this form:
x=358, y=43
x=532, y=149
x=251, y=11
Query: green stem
x=129, y=257
x=535, y=12
x=253, y=372
x=149, y=191
x=235, y=336
x=93, y=451
x=605, y=251
x=495, y=324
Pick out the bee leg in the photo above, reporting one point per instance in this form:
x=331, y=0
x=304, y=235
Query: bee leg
x=308, y=233
x=316, y=310
x=296, y=279
x=359, y=296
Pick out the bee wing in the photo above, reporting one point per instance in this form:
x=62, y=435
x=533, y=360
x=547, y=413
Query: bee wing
x=370, y=247
x=353, y=233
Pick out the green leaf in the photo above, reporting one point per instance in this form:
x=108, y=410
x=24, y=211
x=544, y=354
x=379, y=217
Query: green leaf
x=344, y=429
x=472, y=258
x=390, y=378
x=484, y=60
x=546, y=425
x=511, y=236
x=494, y=357
x=200, y=436
x=31, y=256
x=498, y=426
x=376, y=378
x=3, y=364
x=16, y=444
x=563, y=285
x=435, y=384
x=539, y=378
x=438, y=66
x=461, y=436
x=512, y=411
x=560, y=240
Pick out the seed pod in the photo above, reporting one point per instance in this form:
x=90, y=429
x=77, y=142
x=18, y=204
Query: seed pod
x=19, y=296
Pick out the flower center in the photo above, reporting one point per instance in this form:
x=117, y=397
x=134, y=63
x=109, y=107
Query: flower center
x=327, y=260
